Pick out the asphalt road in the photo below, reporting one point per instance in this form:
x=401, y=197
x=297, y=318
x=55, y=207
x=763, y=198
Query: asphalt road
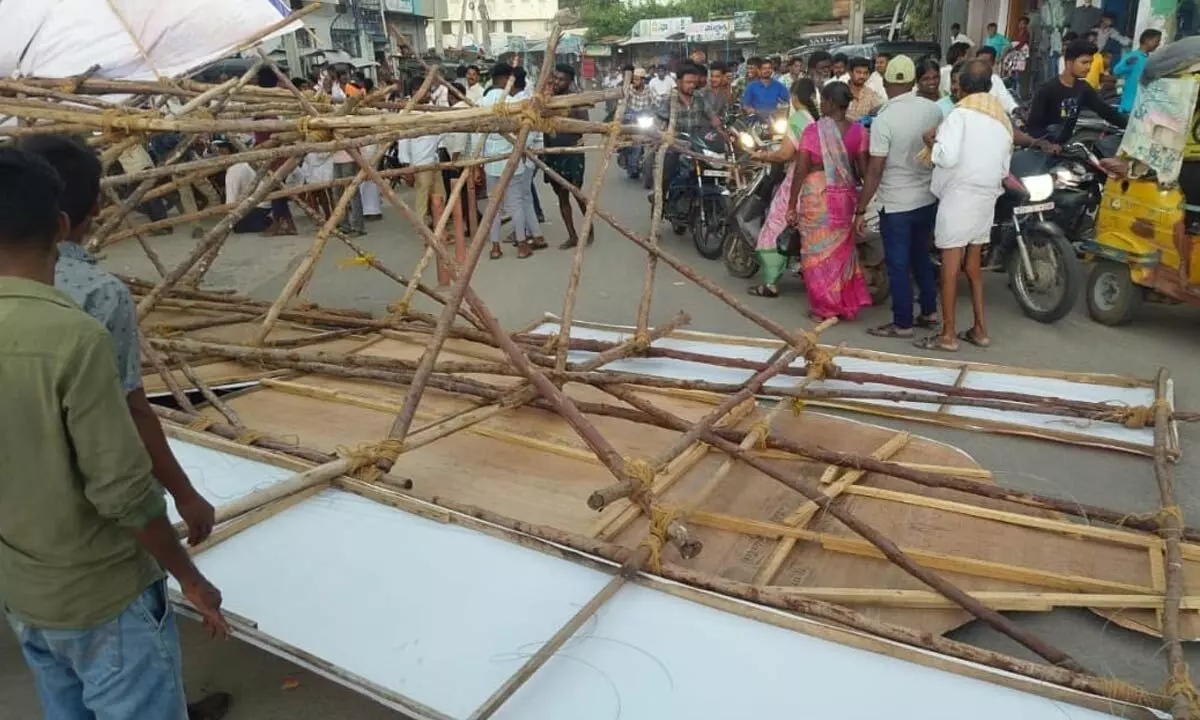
x=518, y=291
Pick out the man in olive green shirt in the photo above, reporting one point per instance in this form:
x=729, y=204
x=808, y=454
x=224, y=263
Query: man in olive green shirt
x=83, y=526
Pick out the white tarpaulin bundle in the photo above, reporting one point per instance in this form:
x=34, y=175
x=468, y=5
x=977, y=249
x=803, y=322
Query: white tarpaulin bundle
x=128, y=39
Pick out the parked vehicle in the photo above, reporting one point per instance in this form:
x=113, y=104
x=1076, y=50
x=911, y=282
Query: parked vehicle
x=1044, y=273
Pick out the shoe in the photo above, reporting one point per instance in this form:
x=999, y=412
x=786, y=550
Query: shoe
x=568, y=244
x=213, y=706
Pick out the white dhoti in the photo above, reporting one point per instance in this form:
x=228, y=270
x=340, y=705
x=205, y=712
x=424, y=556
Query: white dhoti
x=964, y=217
x=369, y=191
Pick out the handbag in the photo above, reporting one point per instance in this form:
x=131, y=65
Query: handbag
x=788, y=241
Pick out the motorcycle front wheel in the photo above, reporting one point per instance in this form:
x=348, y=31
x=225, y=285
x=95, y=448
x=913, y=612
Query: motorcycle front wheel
x=741, y=261
x=1050, y=292
x=709, y=228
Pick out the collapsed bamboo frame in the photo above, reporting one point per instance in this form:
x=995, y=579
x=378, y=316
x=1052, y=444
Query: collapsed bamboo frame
x=304, y=124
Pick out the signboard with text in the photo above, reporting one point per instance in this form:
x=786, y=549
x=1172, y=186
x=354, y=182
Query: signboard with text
x=709, y=31
x=660, y=28
x=400, y=6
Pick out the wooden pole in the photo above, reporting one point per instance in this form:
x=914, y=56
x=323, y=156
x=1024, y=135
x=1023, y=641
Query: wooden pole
x=643, y=316
x=566, y=632
x=584, y=238
x=1184, y=699
x=214, y=237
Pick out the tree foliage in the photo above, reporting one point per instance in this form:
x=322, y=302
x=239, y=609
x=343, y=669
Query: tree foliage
x=777, y=23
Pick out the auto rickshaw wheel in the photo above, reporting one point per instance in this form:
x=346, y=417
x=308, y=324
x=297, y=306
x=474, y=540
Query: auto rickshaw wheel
x=1112, y=296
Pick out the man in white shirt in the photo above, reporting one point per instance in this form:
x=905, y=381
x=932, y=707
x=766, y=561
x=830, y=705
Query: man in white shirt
x=423, y=150
x=239, y=184
x=957, y=36
x=875, y=80
x=998, y=89
x=474, y=87
x=662, y=83
x=970, y=151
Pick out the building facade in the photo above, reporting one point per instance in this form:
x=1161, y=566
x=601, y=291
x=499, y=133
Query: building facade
x=361, y=33
x=493, y=25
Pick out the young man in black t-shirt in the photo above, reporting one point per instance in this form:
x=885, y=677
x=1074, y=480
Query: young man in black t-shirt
x=1057, y=103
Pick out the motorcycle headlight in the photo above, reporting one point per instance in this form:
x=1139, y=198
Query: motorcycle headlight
x=1039, y=187
x=1070, y=175
x=779, y=126
x=645, y=122
x=747, y=141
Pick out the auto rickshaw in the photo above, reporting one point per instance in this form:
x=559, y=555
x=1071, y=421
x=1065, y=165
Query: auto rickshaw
x=1147, y=231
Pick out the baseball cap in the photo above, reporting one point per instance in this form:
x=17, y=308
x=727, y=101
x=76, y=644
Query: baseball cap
x=639, y=72
x=900, y=69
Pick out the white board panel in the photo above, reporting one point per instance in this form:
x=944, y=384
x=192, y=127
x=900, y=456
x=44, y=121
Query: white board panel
x=428, y=610
x=1031, y=385
x=220, y=477
x=647, y=655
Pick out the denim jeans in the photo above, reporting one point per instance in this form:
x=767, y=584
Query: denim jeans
x=352, y=220
x=906, y=241
x=128, y=668
x=518, y=201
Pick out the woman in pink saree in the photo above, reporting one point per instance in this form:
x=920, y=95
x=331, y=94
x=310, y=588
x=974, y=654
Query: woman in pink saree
x=832, y=154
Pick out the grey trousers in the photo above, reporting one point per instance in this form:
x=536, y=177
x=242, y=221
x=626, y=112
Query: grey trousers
x=352, y=221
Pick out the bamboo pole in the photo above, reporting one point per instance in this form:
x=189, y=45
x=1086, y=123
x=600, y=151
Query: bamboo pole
x=124, y=207
x=889, y=549
x=230, y=432
x=643, y=315
x=584, y=239
x=403, y=421
x=1184, y=699
x=566, y=632
x=213, y=238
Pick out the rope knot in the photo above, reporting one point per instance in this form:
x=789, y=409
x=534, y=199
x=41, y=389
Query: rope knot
x=661, y=517
x=819, y=363
x=400, y=307
x=201, y=424
x=760, y=430
x=641, y=472
x=641, y=341
x=248, y=437
x=550, y=344
x=1181, y=683
x=797, y=406
x=360, y=260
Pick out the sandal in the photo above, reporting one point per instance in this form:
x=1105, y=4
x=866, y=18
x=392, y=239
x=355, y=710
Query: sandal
x=969, y=336
x=816, y=318
x=524, y=250
x=934, y=342
x=538, y=243
x=890, y=331
x=496, y=253
x=927, y=322
x=763, y=291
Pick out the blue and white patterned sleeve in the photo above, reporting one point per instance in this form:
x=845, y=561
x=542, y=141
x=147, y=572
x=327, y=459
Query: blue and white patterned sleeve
x=120, y=315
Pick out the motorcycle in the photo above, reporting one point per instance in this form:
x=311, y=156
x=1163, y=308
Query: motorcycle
x=1044, y=272
x=632, y=158
x=748, y=210
x=697, y=198
x=1079, y=177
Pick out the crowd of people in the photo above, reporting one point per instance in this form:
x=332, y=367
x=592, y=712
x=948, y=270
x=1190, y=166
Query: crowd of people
x=906, y=158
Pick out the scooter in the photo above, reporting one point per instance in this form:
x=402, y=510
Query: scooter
x=748, y=210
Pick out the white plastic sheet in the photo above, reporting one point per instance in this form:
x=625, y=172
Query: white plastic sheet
x=60, y=38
